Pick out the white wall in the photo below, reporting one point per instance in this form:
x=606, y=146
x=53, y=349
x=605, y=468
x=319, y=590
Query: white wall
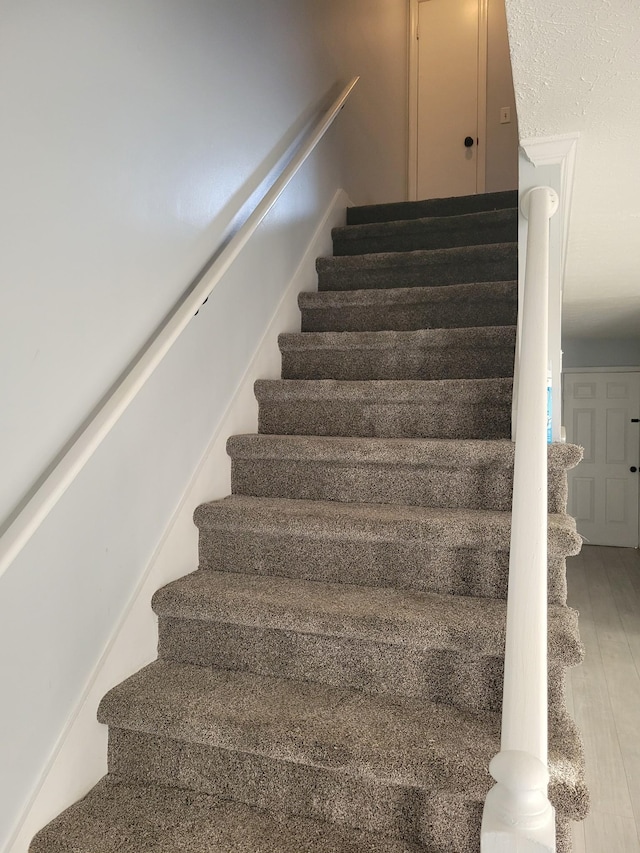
x=79, y=757
x=132, y=131
x=601, y=352
x=370, y=38
x=502, y=139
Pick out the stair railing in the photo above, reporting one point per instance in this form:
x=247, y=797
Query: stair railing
x=38, y=506
x=517, y=813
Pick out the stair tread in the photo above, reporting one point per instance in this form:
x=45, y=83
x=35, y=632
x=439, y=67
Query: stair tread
x=490, y=529
x=449, y=205
x=419, y=267
x=384, y=615
x=383, y=390
x=444, y=353
x=466, y=338
x=416, y=742
x=381, y=297
x=443, y=452
x=415, y=258
x=400, y=408
x=119, y=817
x=431, y=232
x=426, y=222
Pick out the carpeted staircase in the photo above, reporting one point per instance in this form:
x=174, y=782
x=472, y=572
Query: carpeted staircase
x=330, y=679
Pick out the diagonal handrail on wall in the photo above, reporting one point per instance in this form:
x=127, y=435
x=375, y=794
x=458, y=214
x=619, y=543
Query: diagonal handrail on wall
x=517, y=813
x=56, y=483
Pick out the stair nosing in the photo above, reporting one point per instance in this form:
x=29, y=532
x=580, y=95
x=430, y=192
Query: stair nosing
x=495, y=336
x=401, y=296
x=421, y=223
x=410, y=757
x=416, y=257
x=424, y=628
x=400, y=391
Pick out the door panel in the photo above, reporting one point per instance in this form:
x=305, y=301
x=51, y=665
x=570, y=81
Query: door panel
x=599, y=413
x=447, y=97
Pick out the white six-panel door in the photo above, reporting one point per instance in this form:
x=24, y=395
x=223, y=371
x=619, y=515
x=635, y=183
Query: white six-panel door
x=601, y=412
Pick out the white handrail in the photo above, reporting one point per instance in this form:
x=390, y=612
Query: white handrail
x=517, y=813
x=149, y=357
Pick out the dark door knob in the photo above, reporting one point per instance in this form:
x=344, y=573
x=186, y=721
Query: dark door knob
x=468, y=141
x=633, y=469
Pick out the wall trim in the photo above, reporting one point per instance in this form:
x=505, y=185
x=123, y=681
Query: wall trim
x=79, y=758
x=560, y=150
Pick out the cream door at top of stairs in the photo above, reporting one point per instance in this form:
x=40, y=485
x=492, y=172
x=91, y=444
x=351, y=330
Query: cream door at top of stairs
x=517, y=813
x=448, y=81
x=22, y=527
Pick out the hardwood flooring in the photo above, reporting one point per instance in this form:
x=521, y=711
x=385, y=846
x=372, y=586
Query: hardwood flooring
x=604, y=695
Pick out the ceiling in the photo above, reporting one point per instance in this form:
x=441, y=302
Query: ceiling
x=576, y=67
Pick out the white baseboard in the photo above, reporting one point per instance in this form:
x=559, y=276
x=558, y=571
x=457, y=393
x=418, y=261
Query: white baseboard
x=79, y=758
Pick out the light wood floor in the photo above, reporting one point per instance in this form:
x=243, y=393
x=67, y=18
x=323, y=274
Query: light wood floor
x=604, y=695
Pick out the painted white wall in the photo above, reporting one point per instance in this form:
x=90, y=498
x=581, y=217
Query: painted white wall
x=132, y=131
x=601, y=352
x=502, y=139
x=370, y=38
x=79, y=758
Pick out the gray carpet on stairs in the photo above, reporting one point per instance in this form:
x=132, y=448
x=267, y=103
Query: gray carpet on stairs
x=330, y=678
x=451, y=408
x=441, y=232
x=404, y=309
x=403, y=210
x=425, y=268
x=475, y=353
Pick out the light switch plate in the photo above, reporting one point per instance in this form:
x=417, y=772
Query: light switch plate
x=505, y=115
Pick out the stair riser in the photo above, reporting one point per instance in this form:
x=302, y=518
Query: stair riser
x=408, y=564
x=451, y=419
x=455, y=206
x=445, y=824
x=465, y=680
x=358, y=482
x=398, y=362
x=406, y=318
x=453, y=266
x=441, y=234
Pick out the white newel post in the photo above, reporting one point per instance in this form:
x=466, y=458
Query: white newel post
x=518, y=817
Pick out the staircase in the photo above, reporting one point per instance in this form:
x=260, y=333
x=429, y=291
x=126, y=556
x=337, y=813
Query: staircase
x=330, y=679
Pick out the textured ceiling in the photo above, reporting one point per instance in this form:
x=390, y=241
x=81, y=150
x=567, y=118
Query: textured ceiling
x=576, y=67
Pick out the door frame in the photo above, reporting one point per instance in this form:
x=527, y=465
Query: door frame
x=483, y=36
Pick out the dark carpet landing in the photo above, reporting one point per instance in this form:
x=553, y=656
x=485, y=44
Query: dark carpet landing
x=330, y=679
